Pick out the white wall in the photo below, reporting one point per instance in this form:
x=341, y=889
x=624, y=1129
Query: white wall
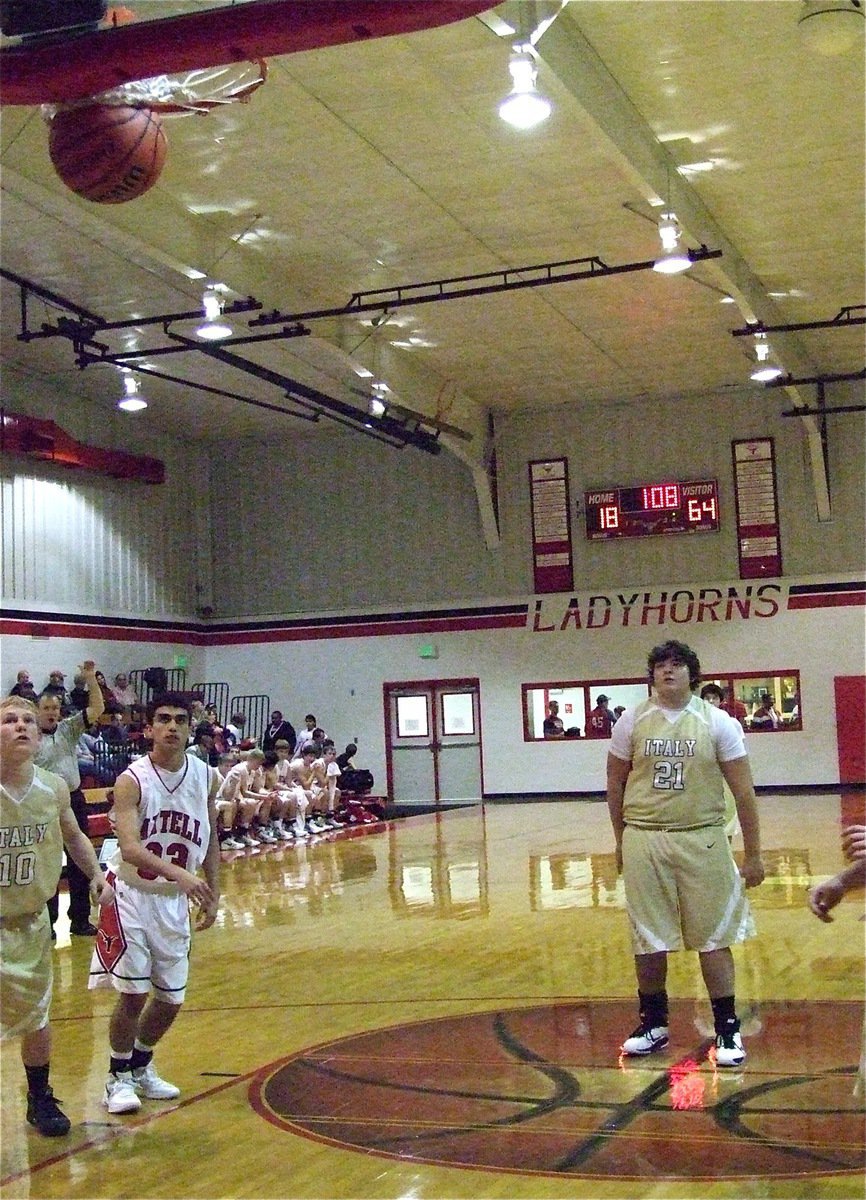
x=341, y=679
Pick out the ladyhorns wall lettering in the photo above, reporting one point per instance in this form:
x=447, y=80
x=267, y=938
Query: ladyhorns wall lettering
x=682, y=606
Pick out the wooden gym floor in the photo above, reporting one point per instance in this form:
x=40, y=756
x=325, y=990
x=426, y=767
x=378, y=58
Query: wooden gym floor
x=433, y=1008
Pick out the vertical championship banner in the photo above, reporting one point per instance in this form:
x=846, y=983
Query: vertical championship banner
x=551, y=526
x=757, y=509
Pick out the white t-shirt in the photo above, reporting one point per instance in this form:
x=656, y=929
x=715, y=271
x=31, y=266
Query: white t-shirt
x=726, y=732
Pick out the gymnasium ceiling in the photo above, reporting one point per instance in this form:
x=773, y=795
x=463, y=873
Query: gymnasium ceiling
x=383, y=164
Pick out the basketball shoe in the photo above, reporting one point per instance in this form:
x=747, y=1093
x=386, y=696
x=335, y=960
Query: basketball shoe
x=44, y=1113
x=120, y=1095
x=729, y=1050
x=148, y=1084
x=646, y=1040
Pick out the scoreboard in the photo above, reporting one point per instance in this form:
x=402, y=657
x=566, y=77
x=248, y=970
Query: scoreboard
x=652, y=508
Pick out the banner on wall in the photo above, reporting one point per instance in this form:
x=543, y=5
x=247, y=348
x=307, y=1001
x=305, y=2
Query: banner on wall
x=652, y=609
x=758, y=543
x=551, y=525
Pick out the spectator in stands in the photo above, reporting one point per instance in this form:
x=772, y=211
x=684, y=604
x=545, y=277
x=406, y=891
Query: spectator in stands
x=24, y=688
x=617, y=712
x=222, y=742
x=58, y=753
x=734, y=707
x=600, y=721
x=197, y=716
x=86, y=753
x=114, y=733
x=56, y=686
x=125, y=693
x=79, y=697
x=553, y=727
x=352, y=778
x=278, y=730
x=766, y=715
x=344, y=760
x=108, y=696
x=203, y=746
x=234, y=730
x=305, y=736
x=112, y=748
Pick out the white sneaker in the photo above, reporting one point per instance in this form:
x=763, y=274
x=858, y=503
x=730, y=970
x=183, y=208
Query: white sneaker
x=300, y=829
x=645, y=1040
x=249, y=840
x=231, y=844
x=729, y=1050
x=148, y=1084
x=120, y=1095
x=266, y=836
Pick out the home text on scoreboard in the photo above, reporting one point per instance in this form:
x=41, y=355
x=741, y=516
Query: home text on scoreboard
x=690, y=506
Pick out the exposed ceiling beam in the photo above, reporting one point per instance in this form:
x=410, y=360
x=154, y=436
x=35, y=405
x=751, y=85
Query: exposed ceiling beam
x=572, y=58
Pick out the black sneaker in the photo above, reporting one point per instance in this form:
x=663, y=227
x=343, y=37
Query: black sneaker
x=44, y=1112
x=83, y=930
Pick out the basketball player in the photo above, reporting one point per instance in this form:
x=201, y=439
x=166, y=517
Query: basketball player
x=36, y=818
x=828, y=894
x=668, y=760
x=166, y=828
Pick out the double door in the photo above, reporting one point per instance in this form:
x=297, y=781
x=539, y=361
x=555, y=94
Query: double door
x=433, y=741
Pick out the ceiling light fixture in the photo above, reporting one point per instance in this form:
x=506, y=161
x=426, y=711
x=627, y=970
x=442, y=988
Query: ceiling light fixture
x=831, y=26
x=673, y=259
x=213, y=329
x=132, y=399
x=377, y=407
x=767, y=368
x=524, y=107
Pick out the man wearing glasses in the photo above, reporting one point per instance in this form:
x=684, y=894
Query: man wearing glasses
x=165, y=820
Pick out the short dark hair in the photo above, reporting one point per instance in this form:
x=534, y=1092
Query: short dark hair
x=681, y=653
x=203, y=731
x=712, y=689
x=167, y=700
x=271, y=758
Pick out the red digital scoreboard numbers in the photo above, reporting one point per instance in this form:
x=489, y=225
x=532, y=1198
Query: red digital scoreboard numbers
x=652, y=508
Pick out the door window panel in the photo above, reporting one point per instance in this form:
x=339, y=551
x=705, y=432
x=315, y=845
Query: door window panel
x=412, y=718
x=458, y=713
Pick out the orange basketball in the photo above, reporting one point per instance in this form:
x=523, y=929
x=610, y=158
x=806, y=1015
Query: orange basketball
x=107, y=153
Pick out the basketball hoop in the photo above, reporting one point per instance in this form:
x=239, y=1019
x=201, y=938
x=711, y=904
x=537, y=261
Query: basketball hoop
x=111, y=147
x=180, y=95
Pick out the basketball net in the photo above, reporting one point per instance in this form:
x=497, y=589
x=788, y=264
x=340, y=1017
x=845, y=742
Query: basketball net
x=180, y=95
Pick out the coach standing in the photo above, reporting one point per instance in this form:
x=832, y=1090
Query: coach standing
x=58, y=753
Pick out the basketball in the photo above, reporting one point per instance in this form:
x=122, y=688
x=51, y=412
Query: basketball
x=107, y=153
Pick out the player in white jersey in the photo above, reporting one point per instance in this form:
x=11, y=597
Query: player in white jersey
x=166, y=828
x=668, y=760
x=36, y=818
